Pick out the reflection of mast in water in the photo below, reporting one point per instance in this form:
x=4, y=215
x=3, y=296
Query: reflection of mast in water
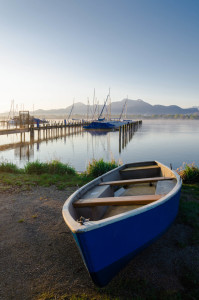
x=97, y=142
x=109, y=144
x=72, y=142
x=87, y=147
x=92, y=149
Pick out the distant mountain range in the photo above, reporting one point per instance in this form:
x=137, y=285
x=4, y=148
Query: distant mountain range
x=134, y=107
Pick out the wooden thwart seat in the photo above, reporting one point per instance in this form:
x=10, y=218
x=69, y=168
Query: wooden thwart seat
x=125, y=200
x=140, y=168
x=135, y=181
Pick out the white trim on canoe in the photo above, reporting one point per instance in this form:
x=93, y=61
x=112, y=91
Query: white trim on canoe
x=90, y=225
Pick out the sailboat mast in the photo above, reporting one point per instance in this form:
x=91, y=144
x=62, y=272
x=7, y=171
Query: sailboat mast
x=123, y=109
x=94, y=104
x=88, y=108
x=71, y=110
x=109, y=105
x=104, y=105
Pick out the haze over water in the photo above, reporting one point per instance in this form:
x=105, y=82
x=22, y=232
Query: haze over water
x=168, y=141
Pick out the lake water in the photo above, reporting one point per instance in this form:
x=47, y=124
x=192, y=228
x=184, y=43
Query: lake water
x=168, y=141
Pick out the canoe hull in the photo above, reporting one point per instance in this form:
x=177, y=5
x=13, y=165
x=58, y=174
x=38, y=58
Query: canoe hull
x=123, y=239
x=108, y=244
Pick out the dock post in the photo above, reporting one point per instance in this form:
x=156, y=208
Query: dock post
x=122, y=136
x=125, y=136
x=120, y=139
x=38, y=134
x=32, y=131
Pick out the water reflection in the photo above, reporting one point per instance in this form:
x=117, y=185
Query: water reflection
x=167, y=141
x=126, y=135
x=27, y=143
x=24, y=144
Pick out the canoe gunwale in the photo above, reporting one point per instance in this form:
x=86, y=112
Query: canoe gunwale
x=75, y=227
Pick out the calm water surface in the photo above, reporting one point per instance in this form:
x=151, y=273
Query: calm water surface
x=167, y=141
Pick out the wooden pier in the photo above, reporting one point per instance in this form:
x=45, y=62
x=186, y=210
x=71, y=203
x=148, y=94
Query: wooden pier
x=58, y=127
x=45, y=133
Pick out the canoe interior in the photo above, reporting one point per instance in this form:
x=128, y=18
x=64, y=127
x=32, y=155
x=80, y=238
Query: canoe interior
x=129, y=171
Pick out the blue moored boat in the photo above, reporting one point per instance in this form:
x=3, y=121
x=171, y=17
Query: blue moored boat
x=102, y=123
x=119, y=213
x=105, y=124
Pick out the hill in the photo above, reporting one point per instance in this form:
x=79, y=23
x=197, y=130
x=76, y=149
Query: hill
x=134, y=107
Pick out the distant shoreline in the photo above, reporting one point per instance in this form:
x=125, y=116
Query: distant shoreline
x=4, y=117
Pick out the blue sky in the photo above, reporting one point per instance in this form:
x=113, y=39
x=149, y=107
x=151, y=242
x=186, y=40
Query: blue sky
x=54, y=52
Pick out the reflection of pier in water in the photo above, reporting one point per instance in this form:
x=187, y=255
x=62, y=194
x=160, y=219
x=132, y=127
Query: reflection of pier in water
x=126, y=133
x=25, y=149
x=25, y=146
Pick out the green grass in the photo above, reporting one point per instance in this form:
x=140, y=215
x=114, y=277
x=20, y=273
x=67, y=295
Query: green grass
x=10, y=180
x=99, y=167
x=51, y=173
x=9, y=167
x=135, y=289
x=52, y=296
x=43, y=174
x=189, y=211
x=21, y=221
x=54, y=167
x=95, y=168
x=189, y=173
x=190, y=190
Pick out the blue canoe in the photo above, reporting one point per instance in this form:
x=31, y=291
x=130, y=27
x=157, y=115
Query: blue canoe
x=116, y=215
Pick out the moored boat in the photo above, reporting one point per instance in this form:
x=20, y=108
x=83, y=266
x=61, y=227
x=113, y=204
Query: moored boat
x=110, y=124
x=107, y=124
x=119, y=213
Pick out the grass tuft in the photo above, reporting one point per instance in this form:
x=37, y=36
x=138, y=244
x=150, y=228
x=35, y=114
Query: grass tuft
x=9, y=167
x=54, y=167
x=21, y=221
x=99, y=167
x=189, y=173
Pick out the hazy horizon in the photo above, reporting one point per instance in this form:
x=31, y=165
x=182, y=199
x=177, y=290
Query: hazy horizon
x=55, y=52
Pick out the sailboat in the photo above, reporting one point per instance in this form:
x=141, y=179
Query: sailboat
x=102, y=123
